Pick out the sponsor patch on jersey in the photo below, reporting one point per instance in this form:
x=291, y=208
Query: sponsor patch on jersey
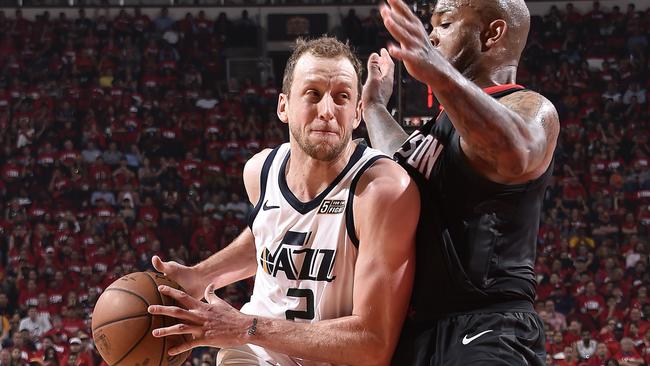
x=332, y=207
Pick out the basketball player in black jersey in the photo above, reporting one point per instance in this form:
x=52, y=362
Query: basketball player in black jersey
x=482, y=168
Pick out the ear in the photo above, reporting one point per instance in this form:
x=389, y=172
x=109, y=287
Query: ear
x=283, y=102
x=357, y=115
x=495, y=32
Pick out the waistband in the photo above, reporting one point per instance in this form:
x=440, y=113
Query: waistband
x=424, y=319
x=514, y=306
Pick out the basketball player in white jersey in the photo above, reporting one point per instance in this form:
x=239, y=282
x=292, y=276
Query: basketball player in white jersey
x=330, y=240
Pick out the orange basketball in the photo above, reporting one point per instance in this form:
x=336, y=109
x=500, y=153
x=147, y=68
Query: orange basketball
x=122, y=326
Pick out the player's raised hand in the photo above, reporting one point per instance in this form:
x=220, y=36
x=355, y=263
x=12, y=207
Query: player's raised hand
x=379, y=84
x=211, y=324
x=415, y=48
x=187, y=277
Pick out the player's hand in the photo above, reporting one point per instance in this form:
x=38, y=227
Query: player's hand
x=211, y=324
x=415, y=48
x=187, y=277
x=379, y=84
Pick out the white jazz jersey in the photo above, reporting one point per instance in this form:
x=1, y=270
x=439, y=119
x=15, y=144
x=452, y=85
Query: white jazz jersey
x=306, y=251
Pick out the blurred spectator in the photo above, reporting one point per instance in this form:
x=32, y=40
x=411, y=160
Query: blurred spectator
x=36, y=325
x=121, y=138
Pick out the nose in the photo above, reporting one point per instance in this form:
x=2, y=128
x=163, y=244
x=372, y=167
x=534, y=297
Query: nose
x=326, y=108
x=433, y=38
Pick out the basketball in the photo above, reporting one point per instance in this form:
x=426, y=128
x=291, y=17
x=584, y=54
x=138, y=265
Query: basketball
x=122, y=327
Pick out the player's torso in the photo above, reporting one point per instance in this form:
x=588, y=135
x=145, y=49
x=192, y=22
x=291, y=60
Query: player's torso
x=305, y=256
x=476, y=238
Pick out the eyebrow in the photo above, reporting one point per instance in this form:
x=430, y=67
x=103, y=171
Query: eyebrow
x=441, y=11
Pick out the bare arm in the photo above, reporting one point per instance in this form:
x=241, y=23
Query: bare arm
x=385, y=133
x=508, y=141
x=386, y=198
x=235, y=262
x=382, y=282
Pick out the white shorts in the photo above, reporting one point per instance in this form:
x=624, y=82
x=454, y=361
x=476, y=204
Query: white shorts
x=251, y=355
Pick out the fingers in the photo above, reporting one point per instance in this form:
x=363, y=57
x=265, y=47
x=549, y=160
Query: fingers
x=395, y=51
x=181, y=297
x=174, y=312
x=178, y=329
x=401, y=8
x=407, y=30
x=387, y=62
x=380, y=65
x=374, y=68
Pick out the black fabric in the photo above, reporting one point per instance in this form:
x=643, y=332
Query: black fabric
x=494, y=338
x=476, y=239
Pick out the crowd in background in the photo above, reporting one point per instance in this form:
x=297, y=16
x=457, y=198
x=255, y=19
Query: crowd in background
x=121, y=138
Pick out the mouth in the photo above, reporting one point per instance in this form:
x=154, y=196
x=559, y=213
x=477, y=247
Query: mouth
x=324, y=132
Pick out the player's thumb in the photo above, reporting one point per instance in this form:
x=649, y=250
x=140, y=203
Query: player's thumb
x=159, y=265
x=209, y=294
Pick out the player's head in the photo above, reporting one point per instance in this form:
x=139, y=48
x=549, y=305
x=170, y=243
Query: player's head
x=479, y=36
x=320, y=99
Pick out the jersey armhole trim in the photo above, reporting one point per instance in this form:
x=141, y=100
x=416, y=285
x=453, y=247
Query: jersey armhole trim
x=264, y=175
x=349, y=210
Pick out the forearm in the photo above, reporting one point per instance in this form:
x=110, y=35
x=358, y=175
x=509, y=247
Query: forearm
x=479, y=118
x=344, y=340
x=231, y=264
x=385, y=133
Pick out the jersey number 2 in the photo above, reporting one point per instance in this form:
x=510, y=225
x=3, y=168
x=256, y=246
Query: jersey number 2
x=309, y=296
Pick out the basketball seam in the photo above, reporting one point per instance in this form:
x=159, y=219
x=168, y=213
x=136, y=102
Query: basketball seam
x=164, y=323
x=130, y=292
x=119, y=320
x=148, y=318
x=136, y=344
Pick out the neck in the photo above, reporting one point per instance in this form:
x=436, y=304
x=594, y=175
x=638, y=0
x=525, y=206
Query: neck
x=307, y=177
x=506, y=74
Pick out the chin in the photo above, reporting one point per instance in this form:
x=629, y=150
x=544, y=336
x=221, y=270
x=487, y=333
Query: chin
x=324, y=151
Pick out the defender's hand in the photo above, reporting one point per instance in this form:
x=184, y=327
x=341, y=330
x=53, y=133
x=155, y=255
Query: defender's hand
x=379, y=84
x=415, y=47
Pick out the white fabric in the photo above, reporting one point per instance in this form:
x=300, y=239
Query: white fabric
x=319, y=263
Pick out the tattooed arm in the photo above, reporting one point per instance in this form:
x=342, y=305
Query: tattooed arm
x=510, y=140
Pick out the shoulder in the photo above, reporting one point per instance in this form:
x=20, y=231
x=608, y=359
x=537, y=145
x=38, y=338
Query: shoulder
x=385, y=182
x=532, y=106
x=251, y=175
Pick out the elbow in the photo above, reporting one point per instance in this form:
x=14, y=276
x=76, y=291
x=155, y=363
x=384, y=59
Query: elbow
x=514, y=162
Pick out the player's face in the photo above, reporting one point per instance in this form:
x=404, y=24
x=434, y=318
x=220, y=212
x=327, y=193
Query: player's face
x=322, y=108
x=456, y=33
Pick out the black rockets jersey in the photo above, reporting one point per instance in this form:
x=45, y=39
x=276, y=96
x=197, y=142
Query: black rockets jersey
x=476, y=239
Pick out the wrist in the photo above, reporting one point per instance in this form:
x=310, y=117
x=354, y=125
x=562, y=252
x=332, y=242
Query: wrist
x=248, y=330
x=374, y=106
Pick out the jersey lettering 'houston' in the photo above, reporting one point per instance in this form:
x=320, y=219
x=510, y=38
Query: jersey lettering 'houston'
x=306, y=251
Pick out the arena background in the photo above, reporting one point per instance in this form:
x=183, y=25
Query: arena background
x=124, y=132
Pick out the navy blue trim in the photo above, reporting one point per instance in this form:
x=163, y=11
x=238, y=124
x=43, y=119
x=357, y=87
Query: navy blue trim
x=305, y=207
x=264, y=174
x=349, y=211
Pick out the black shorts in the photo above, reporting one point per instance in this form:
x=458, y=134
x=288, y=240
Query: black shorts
x=494, y=338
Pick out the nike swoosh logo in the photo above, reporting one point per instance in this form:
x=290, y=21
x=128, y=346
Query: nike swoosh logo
x=266, y=207
x=469, y=340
